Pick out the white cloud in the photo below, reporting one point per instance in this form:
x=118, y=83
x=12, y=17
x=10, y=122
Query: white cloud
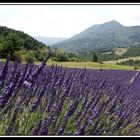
x=65, y=20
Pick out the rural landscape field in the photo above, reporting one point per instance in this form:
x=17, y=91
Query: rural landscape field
x=85, y=84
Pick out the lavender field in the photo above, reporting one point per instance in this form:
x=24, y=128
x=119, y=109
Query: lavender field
x=51, y=100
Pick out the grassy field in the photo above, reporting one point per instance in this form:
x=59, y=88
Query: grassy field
x=88, y=65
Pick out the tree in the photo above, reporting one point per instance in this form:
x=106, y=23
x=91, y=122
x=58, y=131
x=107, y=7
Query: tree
x=29, y=57
x=13, y=44
x=95, y=57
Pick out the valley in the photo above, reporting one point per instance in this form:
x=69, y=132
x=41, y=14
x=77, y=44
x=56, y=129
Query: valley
x=69, y=70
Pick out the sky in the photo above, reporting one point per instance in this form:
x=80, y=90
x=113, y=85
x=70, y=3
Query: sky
x=65, y=20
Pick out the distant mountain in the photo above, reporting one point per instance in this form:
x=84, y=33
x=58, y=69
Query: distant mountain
x=49, y=40
x=101, y=36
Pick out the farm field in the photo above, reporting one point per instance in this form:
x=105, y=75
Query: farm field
x=90, y=65
x=53, y=100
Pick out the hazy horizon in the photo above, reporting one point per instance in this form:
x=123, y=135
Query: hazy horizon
x=64, y=21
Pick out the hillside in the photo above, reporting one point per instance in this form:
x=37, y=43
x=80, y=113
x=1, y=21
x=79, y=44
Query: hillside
x=49, y=40
x=120, y=53
x=101, y=36
x=17, y=41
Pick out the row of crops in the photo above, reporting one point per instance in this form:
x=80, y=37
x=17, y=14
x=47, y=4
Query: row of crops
x=40, y=100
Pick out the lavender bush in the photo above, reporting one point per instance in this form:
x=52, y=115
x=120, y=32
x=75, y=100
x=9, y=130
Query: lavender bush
x=59, y=101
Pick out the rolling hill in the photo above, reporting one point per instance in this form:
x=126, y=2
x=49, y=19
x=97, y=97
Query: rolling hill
x=101, y=36
x=20, y=44
x=14, y=37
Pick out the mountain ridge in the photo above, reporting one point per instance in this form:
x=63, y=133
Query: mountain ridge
x=106, y=35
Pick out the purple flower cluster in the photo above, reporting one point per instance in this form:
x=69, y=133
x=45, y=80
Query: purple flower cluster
x=52, y=100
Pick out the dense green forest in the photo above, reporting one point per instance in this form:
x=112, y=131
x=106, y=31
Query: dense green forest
x=62, y=56
x=20, y=44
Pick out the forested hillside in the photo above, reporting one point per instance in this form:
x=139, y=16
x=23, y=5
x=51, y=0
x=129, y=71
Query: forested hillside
x=17, y=42
x=103, y=36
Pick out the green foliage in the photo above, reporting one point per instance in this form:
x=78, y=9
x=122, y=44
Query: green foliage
x=136, y=67
x=109, y=54
x=30, y=57
x=39, y=55
x=62, y=56
x=107, y=57
x=13, y=44
x=134, y=50
x=15, y=41
x=1, y=45
x=19, y=55
x=95, y=57
x=131, y=62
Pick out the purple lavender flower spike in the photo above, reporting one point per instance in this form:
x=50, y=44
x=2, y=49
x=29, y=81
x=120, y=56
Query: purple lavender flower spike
x=4, y=72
